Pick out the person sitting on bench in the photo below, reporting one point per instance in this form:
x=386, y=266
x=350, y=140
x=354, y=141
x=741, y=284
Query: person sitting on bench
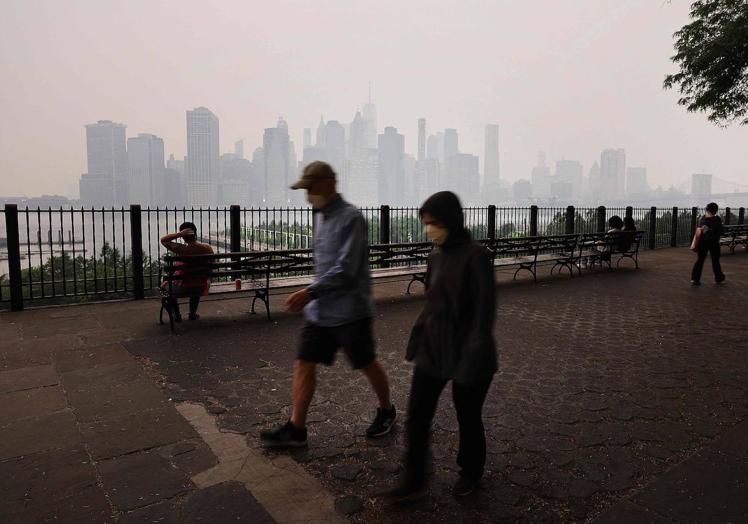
x=190, y=286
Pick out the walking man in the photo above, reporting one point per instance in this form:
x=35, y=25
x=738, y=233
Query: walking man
x=706, y=241
x=337, y=307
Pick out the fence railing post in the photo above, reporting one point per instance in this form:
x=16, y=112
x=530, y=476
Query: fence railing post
x=629, y=212
x=741, y=215
x=601, y=219
x=569, y=222
x=14, y=257
x=235, y=228
x=674, y=228
x=136, y=238
x=652, y=227
x=728, y=216
x=491, y=222
x=384, y=225
x=694, y=220
x=533, y=221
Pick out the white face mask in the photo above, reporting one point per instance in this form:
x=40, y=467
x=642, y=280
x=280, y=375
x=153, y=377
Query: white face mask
x=438, y=235
x=317, y=201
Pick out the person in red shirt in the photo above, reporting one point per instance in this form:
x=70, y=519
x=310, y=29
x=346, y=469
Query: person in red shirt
x=190, y=286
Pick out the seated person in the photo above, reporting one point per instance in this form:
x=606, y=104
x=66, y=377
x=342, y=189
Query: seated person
x=191, y=286
x=616, y=226
x=629, y=224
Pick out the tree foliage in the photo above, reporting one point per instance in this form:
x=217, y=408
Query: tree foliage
x=712, y=53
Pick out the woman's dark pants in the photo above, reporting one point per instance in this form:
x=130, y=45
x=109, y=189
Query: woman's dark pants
x=424, y=397
x=713, y=249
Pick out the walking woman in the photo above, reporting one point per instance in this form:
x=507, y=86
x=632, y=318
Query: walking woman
x=452, y=340
x=706, y=242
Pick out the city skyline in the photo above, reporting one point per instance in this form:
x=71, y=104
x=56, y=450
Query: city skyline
x=576, y=84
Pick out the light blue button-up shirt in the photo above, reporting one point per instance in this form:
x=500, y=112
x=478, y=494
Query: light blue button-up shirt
x=341, y=291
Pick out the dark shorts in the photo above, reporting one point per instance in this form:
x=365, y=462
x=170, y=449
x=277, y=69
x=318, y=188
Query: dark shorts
x=320, y=344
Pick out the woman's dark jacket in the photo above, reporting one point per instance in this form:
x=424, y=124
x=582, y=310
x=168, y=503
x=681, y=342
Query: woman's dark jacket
x=453, y=336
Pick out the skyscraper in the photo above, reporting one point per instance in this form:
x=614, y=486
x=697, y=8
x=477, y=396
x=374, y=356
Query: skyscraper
x=203, y=157
x=279, y=163
x=335, y=151
x=320, y=132
x=636, y=181
x=541, y=178
x=451, y=146
x=370, y=120
x=701, y=186
x=391, y=169
x=569, y=172
x=463, y=176
x=236, y=174
x=491, y=155
x=107, y=164
x=145, y=155
x=491, y=184
x=357, y=143
x=239, y=149
x=307, y=137
x=613, y=174
x=421, y=139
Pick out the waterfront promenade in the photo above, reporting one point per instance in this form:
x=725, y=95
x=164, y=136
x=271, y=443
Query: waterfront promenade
x=621, y=397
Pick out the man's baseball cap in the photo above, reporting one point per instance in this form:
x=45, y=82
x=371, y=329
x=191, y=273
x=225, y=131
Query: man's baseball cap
x=313, y=172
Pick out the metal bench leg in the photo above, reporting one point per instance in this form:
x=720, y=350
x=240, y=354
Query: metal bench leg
x=264, y=297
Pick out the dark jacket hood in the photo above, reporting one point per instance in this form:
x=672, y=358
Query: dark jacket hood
x=445, y=207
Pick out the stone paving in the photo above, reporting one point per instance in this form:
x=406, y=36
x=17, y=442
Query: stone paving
x=621, y=397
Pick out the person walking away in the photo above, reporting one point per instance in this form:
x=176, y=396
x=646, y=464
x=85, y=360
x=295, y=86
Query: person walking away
x=190, y=286
x=452, y=340
x=337, y=308
x=706, y=241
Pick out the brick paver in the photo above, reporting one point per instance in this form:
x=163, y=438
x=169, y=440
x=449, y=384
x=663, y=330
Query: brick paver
x=606, y=383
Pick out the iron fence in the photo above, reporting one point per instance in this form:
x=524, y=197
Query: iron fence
x=74, y=254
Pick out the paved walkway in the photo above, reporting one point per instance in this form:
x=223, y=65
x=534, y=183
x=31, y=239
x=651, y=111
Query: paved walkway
x=619, y=399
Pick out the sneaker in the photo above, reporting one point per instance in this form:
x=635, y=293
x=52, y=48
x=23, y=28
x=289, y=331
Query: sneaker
x=405, y=492
x=465, y=486
x=695, y=283
x=383, y=422
x=286, y=436
x=194, y=316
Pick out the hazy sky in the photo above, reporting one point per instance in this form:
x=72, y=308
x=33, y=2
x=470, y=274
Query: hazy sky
x=566, y=77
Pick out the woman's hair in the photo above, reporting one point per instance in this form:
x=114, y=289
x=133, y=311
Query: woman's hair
x=446, y=207
x=629, y=224
x=615, y=222
x=712, y=207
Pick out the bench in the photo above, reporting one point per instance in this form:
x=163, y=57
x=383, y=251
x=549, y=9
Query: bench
x=262, y=272
x=734, y=236
x=600, y=248
x=526, y=253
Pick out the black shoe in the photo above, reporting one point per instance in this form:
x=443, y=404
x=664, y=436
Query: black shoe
x=383, y=422
x=405, y=492
x=465, y=486
x=719, y=280
x=286, y=436
x=194, y=316
x=695, y=283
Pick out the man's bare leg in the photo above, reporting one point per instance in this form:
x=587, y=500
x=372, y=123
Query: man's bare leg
x=378, y=380
x=304, y=383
